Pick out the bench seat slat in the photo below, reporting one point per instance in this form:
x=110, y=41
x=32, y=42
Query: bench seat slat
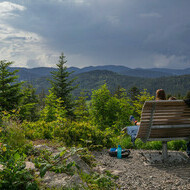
x=166, y=113
x=173, y=119
x=169, y=122
x=169, y=119
x=168, y=139
x=168, y=110
x=166, y=134
x=166, y=102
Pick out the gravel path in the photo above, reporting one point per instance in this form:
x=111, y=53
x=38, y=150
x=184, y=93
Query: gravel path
x=134, y=173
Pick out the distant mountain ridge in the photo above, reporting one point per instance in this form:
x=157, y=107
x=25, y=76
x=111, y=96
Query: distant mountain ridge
x=88, y=78
x=33, y=73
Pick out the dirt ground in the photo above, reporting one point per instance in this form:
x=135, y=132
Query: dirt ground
x=136, y=172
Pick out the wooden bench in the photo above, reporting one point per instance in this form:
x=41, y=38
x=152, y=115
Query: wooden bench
x=164, y=121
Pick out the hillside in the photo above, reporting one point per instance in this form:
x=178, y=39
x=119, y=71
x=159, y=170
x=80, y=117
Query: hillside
x=94, y=79
x=172, y=85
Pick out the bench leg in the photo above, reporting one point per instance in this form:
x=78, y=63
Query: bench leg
x=164, y=150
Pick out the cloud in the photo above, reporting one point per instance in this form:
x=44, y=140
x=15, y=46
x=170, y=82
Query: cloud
x=138, y=33
x=8, y=9
x=163, y=61
x=21, y=46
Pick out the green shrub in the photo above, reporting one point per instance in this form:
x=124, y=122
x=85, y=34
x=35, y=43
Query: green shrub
x=78, y=133
x=110, y=111
x=177, y=145
x=100, y=181
x=14, y=174
x=71, y=133
x=38, y=130
x=153, y=145
x=13, y=134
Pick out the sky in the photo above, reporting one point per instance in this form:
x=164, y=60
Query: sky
x=133, y=33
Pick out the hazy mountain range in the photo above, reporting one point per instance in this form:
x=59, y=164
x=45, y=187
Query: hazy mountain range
x=172, y=80
x=30, y=74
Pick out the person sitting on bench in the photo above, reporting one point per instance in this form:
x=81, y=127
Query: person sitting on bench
x=132, y=130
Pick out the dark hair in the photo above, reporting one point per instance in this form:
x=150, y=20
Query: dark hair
x=172, y=98
x=160, y=94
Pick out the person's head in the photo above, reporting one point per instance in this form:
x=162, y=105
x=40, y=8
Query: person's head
x=172, y=98
x=160, y=94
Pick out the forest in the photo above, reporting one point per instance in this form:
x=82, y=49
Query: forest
x=80, y=122
x=175, y=82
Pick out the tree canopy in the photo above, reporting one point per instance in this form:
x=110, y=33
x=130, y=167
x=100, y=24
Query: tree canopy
x=10, y=88
x=62, y=85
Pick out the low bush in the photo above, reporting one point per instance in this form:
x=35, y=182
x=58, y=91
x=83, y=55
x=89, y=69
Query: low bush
x=177, y=145
x=71, y=133
x=125, y=142
x=14, y=174
x=13, y=135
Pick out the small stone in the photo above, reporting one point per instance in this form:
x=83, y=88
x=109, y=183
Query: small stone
x=30, y=165
x=1, y=167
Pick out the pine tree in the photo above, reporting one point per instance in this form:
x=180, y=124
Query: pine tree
x=81, y=109
x=53, y=109
x=29, y=104
x=62, y=85
x=10, y=88
x=133, y=93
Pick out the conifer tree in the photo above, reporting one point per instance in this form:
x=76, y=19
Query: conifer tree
x=133, y=93
x=62, y=85
x=29, y=104
x=10, y=88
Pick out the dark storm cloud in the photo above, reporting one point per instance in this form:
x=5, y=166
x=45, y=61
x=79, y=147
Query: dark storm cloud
x=134, y=33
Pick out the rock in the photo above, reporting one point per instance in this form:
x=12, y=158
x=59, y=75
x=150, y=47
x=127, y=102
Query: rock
x=82, y=165
x=52, y=179
x=1, y=167
x=154, y=175
x=42, y=147
x=116, y=172
x=30, y=165
x=76, y=181
x=99, y=169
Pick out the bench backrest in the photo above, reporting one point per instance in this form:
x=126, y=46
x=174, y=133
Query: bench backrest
x=164, y=120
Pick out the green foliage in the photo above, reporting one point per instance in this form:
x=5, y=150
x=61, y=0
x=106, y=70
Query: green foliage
x=77, y=133
x=107, y=110
x=57, y=163
x=62, y=86
x=12, y=133
x=144, y=96
x=99, y=181
x=125, y=110
x=39, y=129
x=119, y=92
x=81, y=109
x=14, y=174
x=53, y=108
x=171, y=85
x=41, y=97
x=125, y=142
x=177, y=145
x=101, y=100
x=133, y=93
x=10, y=94
x=71, y=133
x=28, y=105
x=153, y=145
